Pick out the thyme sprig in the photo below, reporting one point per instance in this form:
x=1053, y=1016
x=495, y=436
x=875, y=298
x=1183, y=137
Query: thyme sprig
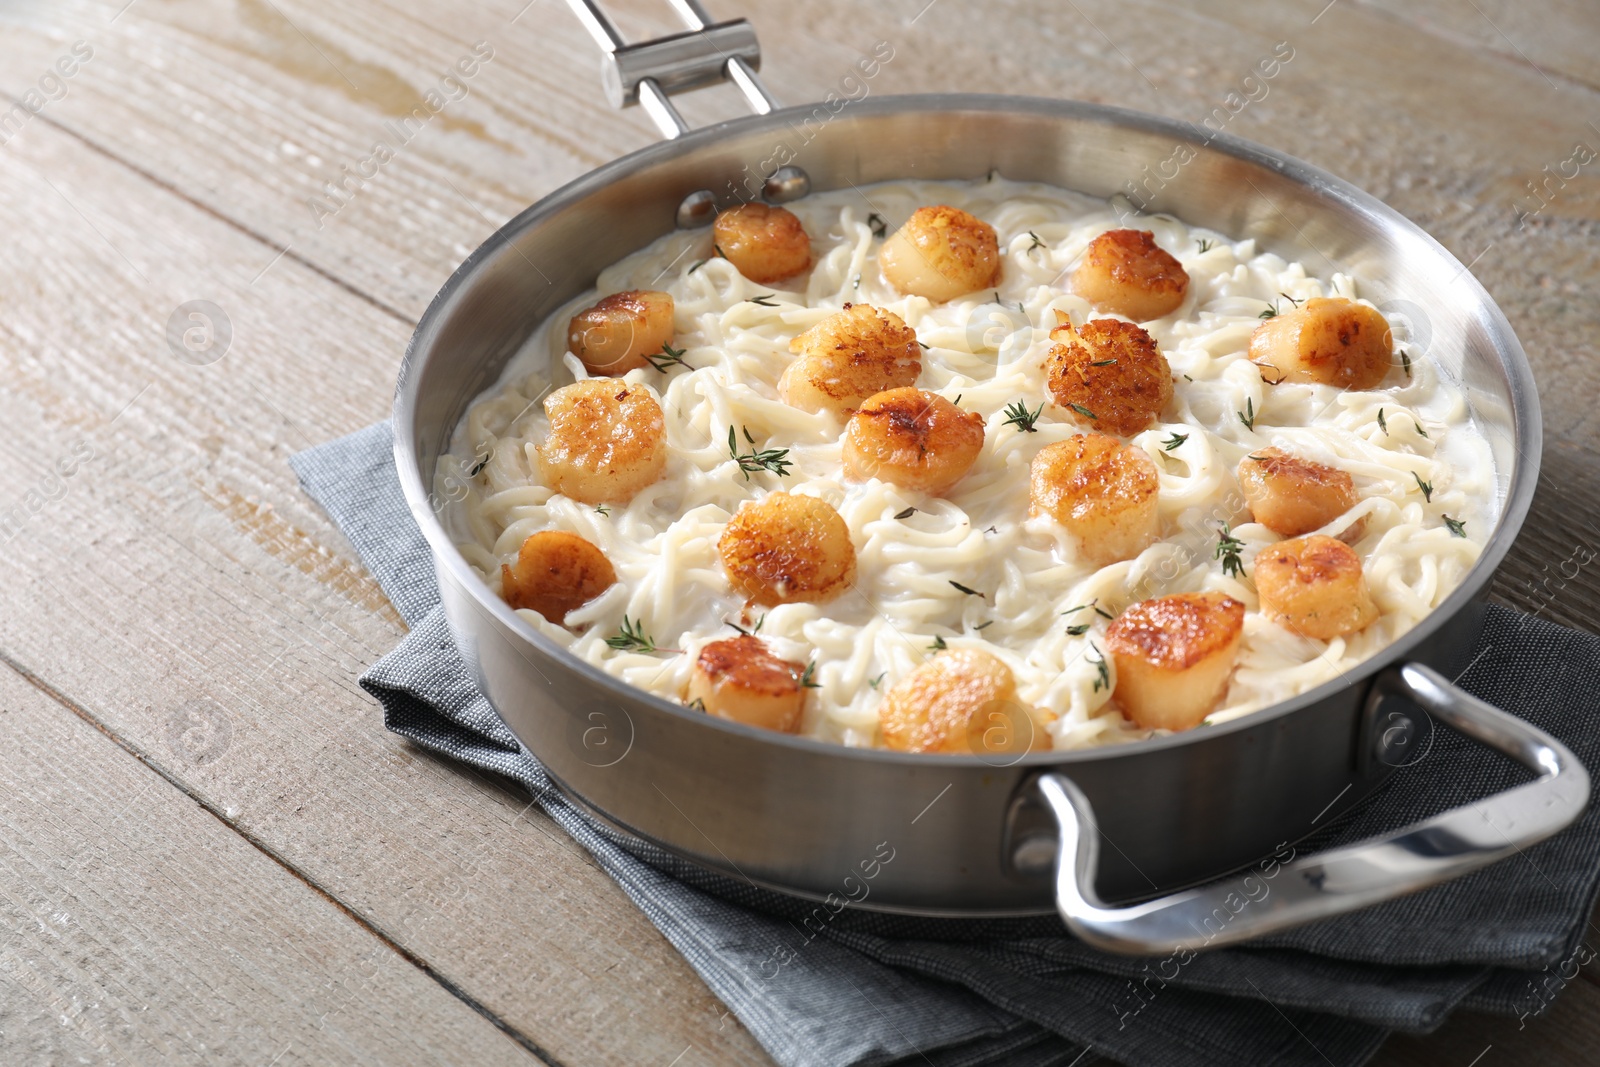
x=1173, y=441
x=1458, y=527
x=1102, y=674
x=938, y=644
x=667, y=357
x=632, y=638
x=764, y=459
x=1085, y=412
x=1228, y=549
x=1248, y=415
x=1036, y=242
x=1018, y=415
x=1426, y=487
x=1205, y=245
x=807, y=677
x=766, y=300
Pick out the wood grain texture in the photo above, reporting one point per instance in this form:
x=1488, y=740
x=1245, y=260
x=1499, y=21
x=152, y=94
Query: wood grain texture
x=140, y=929
x=179, y=575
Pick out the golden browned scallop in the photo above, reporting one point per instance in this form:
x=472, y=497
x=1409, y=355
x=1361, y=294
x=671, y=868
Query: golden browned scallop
x=764, y=243
x=849, y=356
x=555, y=573
x=1102, y=491
x=941, y=253
x=1292, y=496
x=787, y=549
x=1314, y=587
x=1125, y=272
x=607, y=441
x=962, y=701
x=740, y=679
x=1325, y=341
x=615, y=335
x=913, y=439
x=1108, y=374
x=1173, y=656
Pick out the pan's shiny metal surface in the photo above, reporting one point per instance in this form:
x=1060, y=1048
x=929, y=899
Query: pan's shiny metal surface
x=967, y=837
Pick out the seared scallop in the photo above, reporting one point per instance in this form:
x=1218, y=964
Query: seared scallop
x=607, y=441
x=1292, y=496
x=1108, y=374
x=962, y=701
x=555, y=573
x=615, y=335
x=740, y=679
x=1173, y=656
x=912, y=438
x=1314, y=587
x=1126, y=273
x=1102, y=491
x=849, y=356
x=1326, y=341
x=764, y=243
x=787, y=549
x=941, y=253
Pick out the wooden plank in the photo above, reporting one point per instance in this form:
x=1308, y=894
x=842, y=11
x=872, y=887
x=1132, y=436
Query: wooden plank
x=1555, y=37
x=141, y=929
x=238, y=114
x=170, y=568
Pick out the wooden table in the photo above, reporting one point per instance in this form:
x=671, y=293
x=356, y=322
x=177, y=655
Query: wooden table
x=210, y=849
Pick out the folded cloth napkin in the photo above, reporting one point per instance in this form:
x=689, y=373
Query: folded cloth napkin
x=873, y=989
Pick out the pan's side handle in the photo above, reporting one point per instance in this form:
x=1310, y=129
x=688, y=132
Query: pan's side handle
x=1343, y=879
x=649, y=72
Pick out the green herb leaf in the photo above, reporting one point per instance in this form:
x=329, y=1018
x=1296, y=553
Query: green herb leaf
x=1248, y=415
x=1085, y=412
x=1103, y=363
x=1173, y=441
x=924, y=347
x=964, y=589
x=1426, y=487
x=765, y=459
x=1103, y=681
x=698, y=264
x=766, y=300
x=984, y=625
x=878, y=224
x=1382, y=425
x=1205, y=245
x=875, y=682
x=1405, y=362
x=696, y=704
x=668, y=357
x=1270, y=313
x=1457, y=526
x=1036, y=242
x=1018, y=415
x=807, y=679
x=907, y=513
x=1079, y=629
x=938, y=644
x=1228, y=549
x=477, y=468
x=1291, y=299
x=1420, y=430
x=601, y=509
x=632, y=638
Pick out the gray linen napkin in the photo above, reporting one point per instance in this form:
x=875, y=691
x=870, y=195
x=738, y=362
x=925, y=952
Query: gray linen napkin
x=876, y=989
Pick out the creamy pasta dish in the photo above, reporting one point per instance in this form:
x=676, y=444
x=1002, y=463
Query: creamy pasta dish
x=969, y=467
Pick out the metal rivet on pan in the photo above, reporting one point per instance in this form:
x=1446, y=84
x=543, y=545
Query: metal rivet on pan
x=1035, y=854
x=786, y=184
x=697, y=209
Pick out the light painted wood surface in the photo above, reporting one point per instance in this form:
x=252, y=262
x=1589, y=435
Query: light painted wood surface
x=140, y=929
x=178, y=576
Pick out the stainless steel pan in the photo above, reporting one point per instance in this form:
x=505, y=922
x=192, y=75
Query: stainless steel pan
x=961, y=835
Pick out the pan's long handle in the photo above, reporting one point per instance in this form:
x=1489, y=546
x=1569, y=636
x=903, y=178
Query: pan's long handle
x=649, y=72
x=1316, y=887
